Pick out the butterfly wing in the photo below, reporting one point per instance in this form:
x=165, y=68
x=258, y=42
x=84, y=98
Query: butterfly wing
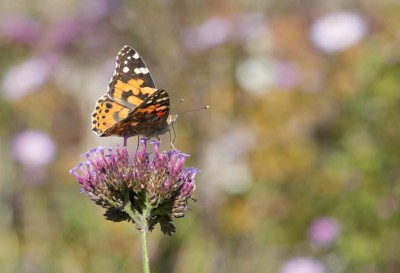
x=148, y=119
x=106, y=114
x=131, y=83
x=132, y=105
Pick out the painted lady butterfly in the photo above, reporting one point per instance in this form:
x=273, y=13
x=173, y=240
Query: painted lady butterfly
x=133, y=105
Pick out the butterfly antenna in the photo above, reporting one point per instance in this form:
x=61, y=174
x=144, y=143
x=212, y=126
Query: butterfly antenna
x=197, y=109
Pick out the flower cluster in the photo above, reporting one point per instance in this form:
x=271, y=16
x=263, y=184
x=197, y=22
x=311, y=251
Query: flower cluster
x=144, y=189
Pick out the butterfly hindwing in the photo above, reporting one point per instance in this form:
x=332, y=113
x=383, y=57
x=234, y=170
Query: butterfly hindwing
x=158, y=103
x=148, y=119
x=131, y=83
x=107, y=113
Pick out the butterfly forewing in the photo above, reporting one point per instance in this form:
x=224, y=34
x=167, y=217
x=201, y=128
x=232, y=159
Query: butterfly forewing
x=131, y=83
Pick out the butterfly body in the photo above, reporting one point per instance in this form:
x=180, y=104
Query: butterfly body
x=133, y=105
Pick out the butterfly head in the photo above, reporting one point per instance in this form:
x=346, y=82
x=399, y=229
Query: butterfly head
x=171, y=119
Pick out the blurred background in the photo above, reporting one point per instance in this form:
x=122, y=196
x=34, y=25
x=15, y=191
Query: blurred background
x=299, y=152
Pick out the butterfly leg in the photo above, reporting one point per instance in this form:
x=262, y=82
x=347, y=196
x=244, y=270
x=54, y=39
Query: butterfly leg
x=138, y=141
x=125, y=141
x=170, y=137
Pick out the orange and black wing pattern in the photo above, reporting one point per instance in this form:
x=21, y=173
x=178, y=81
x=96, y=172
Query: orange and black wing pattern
x=131, y=83
x=132, y=105
x=148, y=119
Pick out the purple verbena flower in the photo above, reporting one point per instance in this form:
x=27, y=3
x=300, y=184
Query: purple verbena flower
x=324, y=231
x=33, y=149
x=211, y=33
x=126, y=187
x=20, y=28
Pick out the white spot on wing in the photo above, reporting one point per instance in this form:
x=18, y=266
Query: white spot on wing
x=141, y=70
x=126, y=69
x=125, y=62
x=136, y=55
x=144, y=70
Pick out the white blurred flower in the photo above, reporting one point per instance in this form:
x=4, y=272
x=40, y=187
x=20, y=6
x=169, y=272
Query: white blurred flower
x=258, y=75
x=24, y=78
x=226, y=160
x=302, y=265
x=338, y=31
x=33, y=149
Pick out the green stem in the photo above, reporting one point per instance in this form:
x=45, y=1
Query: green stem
x=143, y=237
x=141, y=223
x=144, y=230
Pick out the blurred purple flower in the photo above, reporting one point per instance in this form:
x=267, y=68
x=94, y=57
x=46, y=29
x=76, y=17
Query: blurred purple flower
x=86, y=27
x=324, y=231
x=66, y=32
x=338, y=31
x=121, y=186
x=211, y=33
x=21, y=29
x=255, y=33
x=286, y=75
x=33, y=149
x=95, y=10
x=24, y=78
x=251, y=26
x=302, y=265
